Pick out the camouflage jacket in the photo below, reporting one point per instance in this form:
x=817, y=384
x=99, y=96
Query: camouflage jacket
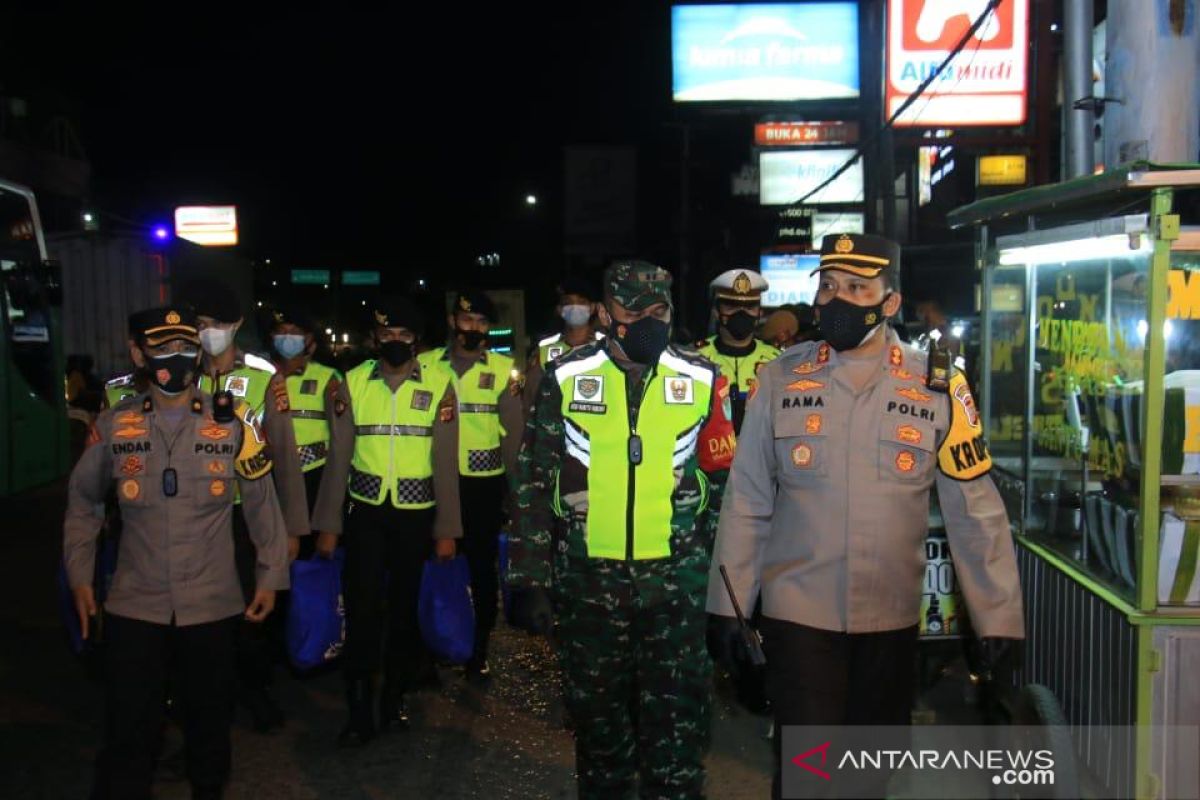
x=549, y=550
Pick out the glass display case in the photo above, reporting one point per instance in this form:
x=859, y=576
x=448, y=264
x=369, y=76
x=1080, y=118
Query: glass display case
x=1089, y=388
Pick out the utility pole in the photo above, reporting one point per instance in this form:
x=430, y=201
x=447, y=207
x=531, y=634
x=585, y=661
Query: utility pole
x=1079, y=119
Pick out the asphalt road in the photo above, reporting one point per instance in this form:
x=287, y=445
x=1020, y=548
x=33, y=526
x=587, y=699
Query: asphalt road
x=502, y=740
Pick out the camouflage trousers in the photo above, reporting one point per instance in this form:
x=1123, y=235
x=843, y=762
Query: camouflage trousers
x=638, y=682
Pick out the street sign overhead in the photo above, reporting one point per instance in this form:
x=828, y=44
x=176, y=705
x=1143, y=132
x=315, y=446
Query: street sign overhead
x=310, y=276
x=360, y=277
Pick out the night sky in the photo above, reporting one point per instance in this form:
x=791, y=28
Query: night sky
x=370, y=139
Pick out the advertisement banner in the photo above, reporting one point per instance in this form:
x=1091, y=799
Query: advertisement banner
x=764, y=51
x=788, y=279
x=787, y=175
x=987, y=81
x=795, y=134
x=207, y=225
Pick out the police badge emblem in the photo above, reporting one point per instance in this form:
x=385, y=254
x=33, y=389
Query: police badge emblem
x=588, y=387
x=679, y=391
x=741, y=284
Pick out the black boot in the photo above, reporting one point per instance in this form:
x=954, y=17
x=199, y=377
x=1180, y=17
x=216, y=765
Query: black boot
x=360, y=727
x=393, y=710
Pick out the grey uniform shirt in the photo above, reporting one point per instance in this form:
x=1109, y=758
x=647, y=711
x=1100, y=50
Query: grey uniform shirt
x=827, y=505
x=327, y=513
x=176, y=557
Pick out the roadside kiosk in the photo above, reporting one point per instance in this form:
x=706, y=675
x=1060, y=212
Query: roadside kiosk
x=1089, y=386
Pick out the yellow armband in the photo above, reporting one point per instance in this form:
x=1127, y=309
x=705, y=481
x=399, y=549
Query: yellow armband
x=963, y=454
x=253, y=460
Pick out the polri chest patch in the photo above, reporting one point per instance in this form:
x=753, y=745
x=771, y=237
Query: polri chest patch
x=421, y=400
x=487, y=380
x=308, y=387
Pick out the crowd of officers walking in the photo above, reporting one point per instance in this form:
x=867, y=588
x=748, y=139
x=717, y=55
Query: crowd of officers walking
x=627, y=468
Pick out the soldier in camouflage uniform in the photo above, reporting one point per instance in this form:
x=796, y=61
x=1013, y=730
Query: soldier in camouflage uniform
x=627, y=440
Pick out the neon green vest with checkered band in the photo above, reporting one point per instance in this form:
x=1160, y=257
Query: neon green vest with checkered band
x=478, y=392
x=597, y=431
x=393, y=436
x=306, y=397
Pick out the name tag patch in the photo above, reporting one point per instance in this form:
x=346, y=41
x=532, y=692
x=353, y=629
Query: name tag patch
x=589, y=389
x=679, y=391
x=588, y=408
x=554, y=352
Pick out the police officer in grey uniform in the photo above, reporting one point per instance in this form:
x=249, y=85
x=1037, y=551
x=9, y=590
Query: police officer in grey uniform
x=827, y=506
x=175, y=456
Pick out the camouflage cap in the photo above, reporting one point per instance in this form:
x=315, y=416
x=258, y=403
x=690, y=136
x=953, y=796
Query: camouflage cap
x=637, y=285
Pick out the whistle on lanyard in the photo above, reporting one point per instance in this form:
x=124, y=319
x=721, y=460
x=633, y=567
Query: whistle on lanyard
x=635, y=449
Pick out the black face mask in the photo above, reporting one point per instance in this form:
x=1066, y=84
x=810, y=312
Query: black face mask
x=396, y=353
x=643, y=341
x=844, y=324
x=471, y=340
x=172, y=373
x=740, y=325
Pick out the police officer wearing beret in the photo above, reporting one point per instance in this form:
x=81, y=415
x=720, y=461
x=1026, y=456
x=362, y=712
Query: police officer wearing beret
x=737, y=304
x=309, y=382
x=827, y=505
x=490, y=423
x=253, y=381
x=176, y=457
x=394, y=449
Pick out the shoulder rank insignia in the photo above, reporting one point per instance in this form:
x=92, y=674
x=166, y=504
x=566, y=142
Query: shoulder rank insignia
x=896, y=356
x=823, y=353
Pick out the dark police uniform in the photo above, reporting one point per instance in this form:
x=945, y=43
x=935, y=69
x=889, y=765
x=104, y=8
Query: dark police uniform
x=175, y=600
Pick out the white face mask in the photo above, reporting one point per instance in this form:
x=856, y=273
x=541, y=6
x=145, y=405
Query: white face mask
x=576, y=316
x=216, y=340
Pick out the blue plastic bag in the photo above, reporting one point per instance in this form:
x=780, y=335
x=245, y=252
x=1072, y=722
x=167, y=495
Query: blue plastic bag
x=445, y=611
x=316, y=617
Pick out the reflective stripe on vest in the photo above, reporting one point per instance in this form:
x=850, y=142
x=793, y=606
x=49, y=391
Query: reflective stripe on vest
x=478, y=392
x=393, y=442
x=675, y=403
x=555, y=346
x=306, y=397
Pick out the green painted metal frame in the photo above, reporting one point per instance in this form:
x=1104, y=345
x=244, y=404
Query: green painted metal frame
x=1144, y=612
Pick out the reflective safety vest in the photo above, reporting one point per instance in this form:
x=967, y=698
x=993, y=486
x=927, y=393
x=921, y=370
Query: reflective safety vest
x=393, y=435
x=552, y=347
x=742, y=371
x=118, y=389
x=478, y=392
x=634, y=461
x=248, y=382
x=306, y=398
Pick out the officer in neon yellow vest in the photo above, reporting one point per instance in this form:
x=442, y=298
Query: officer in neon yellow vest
x=737, y=303
x=309, y=383
x=489, y=435
x=252, y=380
x=627, y=441
x=393, y=446
x=577, y=303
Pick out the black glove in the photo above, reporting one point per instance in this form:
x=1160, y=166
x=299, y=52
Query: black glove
x=995, y=655
x=531, y=610
x=724, y=637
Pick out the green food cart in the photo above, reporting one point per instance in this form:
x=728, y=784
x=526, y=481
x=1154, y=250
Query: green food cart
x=1089, y=385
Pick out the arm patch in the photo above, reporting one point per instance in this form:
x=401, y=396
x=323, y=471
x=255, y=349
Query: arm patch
x=963, y=454
x=278, y=388
x=253, y=461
